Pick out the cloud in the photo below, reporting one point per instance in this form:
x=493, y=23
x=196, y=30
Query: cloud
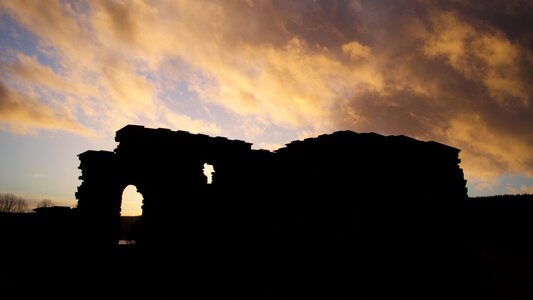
x=488, y=150
x=105, y=83
x=54, y=22
x=481, y=54
x=457, y=72
x=355, y=50
x=524, y=189
x=24, y=114
x=247, y=63
x=134, y=92
x=33, y=72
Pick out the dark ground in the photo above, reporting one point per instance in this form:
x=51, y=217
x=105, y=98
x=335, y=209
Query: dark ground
x=124, y=274
x=493, y=260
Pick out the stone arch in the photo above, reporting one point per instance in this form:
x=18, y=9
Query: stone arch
x=167, y=169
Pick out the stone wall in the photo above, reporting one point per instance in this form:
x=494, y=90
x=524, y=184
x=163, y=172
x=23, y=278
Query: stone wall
x=342, y=189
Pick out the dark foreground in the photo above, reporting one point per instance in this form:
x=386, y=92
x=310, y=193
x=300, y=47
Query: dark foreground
x=127, y=273
x=487, y=255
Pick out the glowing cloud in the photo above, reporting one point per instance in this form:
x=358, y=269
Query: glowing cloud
x=24, y=114
x=272, y=71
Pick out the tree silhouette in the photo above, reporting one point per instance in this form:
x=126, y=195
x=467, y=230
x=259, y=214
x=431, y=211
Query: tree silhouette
x=45, y=203
x=9, y=203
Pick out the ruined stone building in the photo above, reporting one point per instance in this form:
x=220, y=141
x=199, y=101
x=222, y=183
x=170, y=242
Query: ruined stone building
x=329, y=185
x=342, y=203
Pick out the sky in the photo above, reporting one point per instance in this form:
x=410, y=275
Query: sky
x=453, y=71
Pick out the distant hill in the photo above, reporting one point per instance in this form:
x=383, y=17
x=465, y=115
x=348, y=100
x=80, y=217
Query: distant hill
x=500, y=223
x=519, y=197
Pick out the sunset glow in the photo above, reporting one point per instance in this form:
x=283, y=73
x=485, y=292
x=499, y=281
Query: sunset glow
x=268, y=72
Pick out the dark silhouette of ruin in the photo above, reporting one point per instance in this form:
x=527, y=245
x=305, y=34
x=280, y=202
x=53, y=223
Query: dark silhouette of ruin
x=339, y=216
x=315, y=187
x=311, y=212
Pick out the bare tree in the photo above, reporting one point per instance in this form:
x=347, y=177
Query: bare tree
x=12, y=204
x=45, y=203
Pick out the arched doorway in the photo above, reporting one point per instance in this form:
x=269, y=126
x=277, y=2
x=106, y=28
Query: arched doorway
x=131, y=202
x=130, y=215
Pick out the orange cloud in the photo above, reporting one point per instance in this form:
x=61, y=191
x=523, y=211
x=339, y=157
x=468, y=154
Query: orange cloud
x=356, y=51
x=487, y=150
x=25, y=114
x=433, y=70
x=290, y=83
x=106, y=79
x=31, y=71
x=482, y=54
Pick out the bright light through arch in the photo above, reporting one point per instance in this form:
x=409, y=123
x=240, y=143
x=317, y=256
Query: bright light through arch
x=208, y=170
x=131, y=202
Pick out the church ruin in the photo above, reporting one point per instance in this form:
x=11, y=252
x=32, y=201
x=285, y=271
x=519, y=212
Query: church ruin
x=314, y=218
x=325, y=187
